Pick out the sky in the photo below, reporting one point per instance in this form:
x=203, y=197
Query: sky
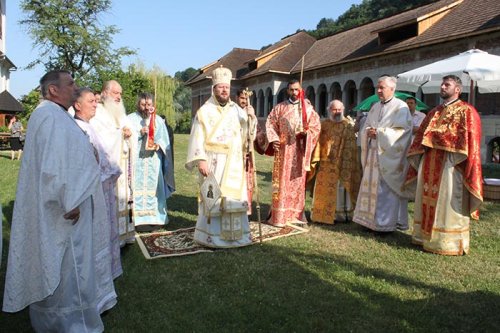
x=175, y=35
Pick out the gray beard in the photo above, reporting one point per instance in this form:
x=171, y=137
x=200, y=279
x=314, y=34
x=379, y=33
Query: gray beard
x=336, y=118
x=116, y=110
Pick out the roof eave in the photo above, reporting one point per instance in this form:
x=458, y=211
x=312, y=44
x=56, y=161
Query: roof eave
x=10, y=65
x=397, y=50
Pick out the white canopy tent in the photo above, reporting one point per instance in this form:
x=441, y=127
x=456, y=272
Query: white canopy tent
x=474, y=67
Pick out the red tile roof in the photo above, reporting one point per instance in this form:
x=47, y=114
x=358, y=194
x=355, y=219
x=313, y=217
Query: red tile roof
x=235, y=60
x=285, y=59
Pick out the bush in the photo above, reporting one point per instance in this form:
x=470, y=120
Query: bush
x=183, y=122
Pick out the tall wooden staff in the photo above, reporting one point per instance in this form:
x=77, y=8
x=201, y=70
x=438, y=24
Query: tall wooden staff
x=255, y=186
x=303, y=127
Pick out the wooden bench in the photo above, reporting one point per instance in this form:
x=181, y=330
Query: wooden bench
x=4, y=141
x=491, y=189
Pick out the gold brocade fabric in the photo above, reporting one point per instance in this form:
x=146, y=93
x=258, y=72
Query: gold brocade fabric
x=445, y=162
x=441, y=223
x=334, y=159
x=455, y=128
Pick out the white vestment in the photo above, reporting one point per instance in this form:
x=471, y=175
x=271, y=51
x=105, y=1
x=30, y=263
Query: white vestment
x=382, y=204
x=110, y=172
x=449, y=211
x=120, y=151
x=52, y=264
x=416, y=119
x=217, y=137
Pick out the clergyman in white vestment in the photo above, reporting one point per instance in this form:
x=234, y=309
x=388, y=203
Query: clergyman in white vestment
x=216, y=148
x=111, y=122
x=382, y=203
x=51, y=265
x=85, y=108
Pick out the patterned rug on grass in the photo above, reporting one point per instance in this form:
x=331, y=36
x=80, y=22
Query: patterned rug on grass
x=180, y=242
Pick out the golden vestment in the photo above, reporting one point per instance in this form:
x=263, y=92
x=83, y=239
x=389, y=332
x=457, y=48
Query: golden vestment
x=334, y=163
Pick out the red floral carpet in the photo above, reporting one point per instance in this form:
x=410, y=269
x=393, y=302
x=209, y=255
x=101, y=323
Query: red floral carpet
x=180, y=242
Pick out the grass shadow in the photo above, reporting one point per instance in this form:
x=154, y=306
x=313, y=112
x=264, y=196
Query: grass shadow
x=266, y=176
x=325, y=292
x=396, y=239
x=182, y=203
x=5, y=156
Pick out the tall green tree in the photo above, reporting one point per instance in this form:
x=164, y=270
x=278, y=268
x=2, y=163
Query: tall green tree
x=186, y=74
x=136, y=79
x=29, y=102
x=367, y=11
x=68, y=35
x=163, y=88
x=182, y=95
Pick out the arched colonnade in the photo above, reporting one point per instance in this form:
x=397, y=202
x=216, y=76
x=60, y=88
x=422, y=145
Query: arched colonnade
x=320, y=95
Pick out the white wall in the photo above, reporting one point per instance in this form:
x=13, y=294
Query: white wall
x=4, y=72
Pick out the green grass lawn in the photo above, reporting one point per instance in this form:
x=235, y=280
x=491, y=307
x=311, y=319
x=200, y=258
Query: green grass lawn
x=340, y=278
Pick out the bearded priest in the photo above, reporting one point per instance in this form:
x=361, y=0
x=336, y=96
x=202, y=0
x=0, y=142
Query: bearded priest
x=216, y=151
x=153, y=174
x=445, y=160
x=111, y=122
x=335, y=169
x=292, y=130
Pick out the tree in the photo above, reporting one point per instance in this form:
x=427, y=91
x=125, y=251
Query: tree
x=182, y=98
x=186, y=74
x=367, y=11
x=138, y=79
x=182, y=95
x=69, y=36
x=29, y=102
x=163, y=87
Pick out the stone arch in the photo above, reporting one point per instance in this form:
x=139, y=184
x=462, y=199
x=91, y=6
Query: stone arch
x=260, y=104
x=322, y=100
x=282, y=95
x=253, y=99
x=351, y=95
x=366, y=88
x=311, y=95
x=269, y=100
x=335, y=91
x=493, y=150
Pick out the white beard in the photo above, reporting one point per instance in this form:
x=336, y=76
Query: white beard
x=115, y=109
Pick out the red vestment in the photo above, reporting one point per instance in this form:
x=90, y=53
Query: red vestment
x=293, y=159
x=452, y=129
